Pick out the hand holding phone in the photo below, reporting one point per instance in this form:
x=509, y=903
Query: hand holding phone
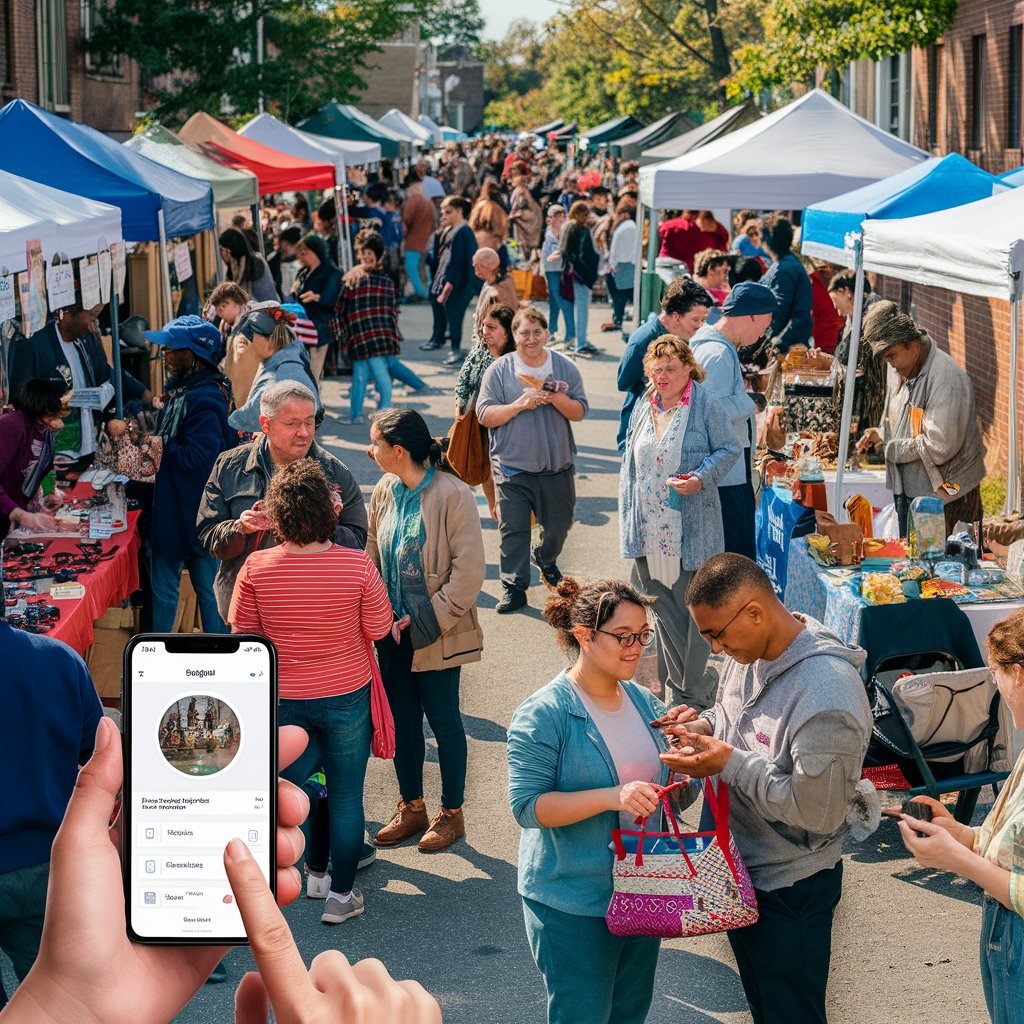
x=87, y=956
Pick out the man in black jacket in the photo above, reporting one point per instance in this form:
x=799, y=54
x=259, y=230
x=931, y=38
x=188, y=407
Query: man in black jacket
x=229, y=527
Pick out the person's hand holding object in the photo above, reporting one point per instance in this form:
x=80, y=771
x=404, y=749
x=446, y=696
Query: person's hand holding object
x=87, y=971
x=696, y=755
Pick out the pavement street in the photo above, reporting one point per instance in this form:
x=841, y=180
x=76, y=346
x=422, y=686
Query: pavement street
x=905, y=941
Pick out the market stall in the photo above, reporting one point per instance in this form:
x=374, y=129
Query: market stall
x=343, y=121
x=832, y=230
x=629, y=147
x=609, y=131
x=735, y=117
x=344, y=153
x=977, y=249
x=405, y=125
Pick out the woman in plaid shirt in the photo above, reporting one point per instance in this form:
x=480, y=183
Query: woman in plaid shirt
x=369, y=311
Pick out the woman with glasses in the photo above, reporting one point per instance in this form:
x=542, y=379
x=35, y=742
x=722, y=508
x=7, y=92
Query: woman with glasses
x=679, y=446
x=583, y=760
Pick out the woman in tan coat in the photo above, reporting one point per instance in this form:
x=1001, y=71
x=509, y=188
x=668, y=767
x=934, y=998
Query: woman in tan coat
x=488, y=218
x=425, y=537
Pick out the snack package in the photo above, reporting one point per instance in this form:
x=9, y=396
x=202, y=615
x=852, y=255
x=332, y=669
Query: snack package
x=927, y=528
x=905, y=569
x=985, y=577
x=881, y=588
x=954, y=572
x=942, y=588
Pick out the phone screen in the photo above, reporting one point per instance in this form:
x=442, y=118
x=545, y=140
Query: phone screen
x=200, y=714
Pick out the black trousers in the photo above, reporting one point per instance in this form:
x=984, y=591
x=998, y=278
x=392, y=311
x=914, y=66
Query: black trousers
x=784, y=958
x=448, y=318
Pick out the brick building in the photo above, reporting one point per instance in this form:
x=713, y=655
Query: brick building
x=42, y=60
x=963, y=95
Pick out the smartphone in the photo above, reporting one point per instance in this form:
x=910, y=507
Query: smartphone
x=200, y=768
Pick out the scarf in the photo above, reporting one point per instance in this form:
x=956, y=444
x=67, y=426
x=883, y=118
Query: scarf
x=467, y=387
x=176, y=398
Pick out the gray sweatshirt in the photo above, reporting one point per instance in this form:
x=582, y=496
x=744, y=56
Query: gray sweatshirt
x=800, y=727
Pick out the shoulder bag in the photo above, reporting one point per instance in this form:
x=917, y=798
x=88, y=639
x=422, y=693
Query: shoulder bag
x=673, y=884
x=467, y=449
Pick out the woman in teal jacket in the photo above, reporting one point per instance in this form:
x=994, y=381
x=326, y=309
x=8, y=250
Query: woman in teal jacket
x=583, y=760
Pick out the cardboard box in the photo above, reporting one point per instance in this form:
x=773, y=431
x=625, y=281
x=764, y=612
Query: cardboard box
x=112, y=632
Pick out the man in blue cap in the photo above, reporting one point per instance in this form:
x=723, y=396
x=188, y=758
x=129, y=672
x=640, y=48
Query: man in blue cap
x=194, y=427
x=746, y=315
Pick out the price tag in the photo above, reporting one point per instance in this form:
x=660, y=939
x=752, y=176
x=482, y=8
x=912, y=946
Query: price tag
x=89, y=279
x=8, y=310
x=67, y=592
x=182, y=262
x=103, y=259
x=60, y=282
x=117, y=258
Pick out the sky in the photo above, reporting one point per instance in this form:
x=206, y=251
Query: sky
x=499, y=14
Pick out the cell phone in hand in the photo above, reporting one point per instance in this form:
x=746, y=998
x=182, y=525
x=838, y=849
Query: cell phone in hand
x=920, y=810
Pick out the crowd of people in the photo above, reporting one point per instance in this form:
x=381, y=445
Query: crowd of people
x=363, y=597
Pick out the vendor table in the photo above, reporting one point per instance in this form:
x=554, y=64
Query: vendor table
x=821, y=593
x=111, y=583
x=869, y=482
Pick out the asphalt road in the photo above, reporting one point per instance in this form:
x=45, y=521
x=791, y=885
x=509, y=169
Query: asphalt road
x=905, y=940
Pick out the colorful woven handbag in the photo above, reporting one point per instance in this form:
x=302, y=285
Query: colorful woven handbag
x=672, y=884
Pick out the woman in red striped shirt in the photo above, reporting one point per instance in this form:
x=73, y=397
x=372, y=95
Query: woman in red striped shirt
x=323, y=606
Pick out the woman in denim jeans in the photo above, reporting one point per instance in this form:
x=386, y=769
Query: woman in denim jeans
x=583, y=760
x=323, y=606
x=551, y=265
x=991, y=855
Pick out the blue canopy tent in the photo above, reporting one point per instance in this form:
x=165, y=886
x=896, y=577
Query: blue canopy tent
x=833, y=230
x=155, y=202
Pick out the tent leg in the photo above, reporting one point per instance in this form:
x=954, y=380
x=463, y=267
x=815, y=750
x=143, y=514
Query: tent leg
x=258, y=228
x=165, y=269
x=850, y=380
x=1012, y=467
x=639, y=260
x=115, y=351
x=345, y=236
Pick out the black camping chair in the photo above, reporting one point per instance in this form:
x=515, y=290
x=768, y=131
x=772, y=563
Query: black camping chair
x=920, y=637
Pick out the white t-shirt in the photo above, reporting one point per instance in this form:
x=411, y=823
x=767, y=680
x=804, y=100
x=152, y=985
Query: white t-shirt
x=630, y=742
x=78, y=381
x=541, y=372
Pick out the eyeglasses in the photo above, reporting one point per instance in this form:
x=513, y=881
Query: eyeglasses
x=645, y=636
x=713, y=635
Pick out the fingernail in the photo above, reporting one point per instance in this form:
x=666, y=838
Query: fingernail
x=237, y=851
x=103, y=734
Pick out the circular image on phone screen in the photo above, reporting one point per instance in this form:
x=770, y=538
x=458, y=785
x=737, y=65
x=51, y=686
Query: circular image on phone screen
x=199, y=735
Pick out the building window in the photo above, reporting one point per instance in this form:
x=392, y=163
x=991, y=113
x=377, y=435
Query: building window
x=892, y=94
x=934, y=71
x=1014, y=84
x=977, y=108
x=92, y=12
x=52, y=55
x=6, y=38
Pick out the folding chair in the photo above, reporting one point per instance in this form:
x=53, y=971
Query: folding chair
x=921, y=637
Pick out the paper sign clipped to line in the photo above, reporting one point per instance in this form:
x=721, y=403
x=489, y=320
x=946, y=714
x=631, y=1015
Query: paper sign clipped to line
x=89, y=279
x=182, y=262
x=60, y=282
x=8, y=310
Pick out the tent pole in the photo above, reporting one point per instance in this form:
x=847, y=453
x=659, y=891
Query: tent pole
x=115, y=349
x=1012, y=469
x=639, y=258
x=164, y=266
x=258, y=228
x=851, y=379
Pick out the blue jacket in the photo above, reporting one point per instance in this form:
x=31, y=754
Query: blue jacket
x=189, y=454
x=291, y=363
x=709, y=449
x=455, y=267
x=554, y=746
x=631, y=370
x=717, y=354
x=325, y=281
x=47, y=730
x=792, y=323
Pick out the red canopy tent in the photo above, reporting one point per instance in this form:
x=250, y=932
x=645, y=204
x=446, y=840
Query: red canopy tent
x=275, y=171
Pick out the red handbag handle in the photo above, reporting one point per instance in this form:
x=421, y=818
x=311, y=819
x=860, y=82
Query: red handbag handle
x=719, y=806
x=663, y=798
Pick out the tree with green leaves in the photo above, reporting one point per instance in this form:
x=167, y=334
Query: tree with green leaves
x=450, y=23
x=802, y=37
x=202, y=54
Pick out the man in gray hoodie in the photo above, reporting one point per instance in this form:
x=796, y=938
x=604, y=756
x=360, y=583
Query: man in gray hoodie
x=787, y=735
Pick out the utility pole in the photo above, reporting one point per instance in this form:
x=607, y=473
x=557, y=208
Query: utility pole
x=259, y=58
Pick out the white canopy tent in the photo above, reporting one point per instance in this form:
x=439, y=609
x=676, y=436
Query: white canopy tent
x=266, y=128
x=420, y=134
x=61, y=222
x=976, y=249
x=812, y=149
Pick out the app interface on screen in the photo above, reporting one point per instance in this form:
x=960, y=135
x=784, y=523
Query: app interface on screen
x=200, y=776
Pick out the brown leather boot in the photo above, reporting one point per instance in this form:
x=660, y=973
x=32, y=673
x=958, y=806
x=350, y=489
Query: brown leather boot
x=410, y=818
x=445, y=827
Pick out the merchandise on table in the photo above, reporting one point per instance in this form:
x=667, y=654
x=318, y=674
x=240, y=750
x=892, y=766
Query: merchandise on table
x=942, y=588
x=905, y=570
x=927, y=528
x=952, y=572
x=881, y=588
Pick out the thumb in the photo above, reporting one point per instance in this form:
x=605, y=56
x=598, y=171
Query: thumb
x=92, y=800
x=252, y=1004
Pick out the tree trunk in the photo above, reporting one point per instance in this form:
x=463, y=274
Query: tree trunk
x=721, y=64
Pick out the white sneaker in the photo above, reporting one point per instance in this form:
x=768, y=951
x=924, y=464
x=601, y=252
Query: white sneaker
x=317, y=888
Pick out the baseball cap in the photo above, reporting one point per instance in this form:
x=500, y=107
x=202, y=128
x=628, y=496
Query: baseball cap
x=749, y=299
x=191, y=332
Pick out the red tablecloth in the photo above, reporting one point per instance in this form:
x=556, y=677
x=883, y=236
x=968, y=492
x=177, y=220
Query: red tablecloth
x=110, y=583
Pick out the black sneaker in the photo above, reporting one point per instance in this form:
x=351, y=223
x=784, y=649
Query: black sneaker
x=367, y=856
x=431, y=346
x=513, y=600
x=550, y=574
